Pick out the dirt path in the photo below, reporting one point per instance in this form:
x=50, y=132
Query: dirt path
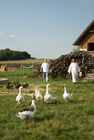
x=89, y=77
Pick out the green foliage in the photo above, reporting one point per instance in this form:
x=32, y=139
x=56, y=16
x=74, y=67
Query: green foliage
x=8, y=54
x=76, y=49
x=59, y=121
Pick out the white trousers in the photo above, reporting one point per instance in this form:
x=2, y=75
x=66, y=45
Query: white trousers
x=74, y=76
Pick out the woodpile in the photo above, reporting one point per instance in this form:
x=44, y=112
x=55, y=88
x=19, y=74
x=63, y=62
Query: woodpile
x=35, y=73
x=59, y=67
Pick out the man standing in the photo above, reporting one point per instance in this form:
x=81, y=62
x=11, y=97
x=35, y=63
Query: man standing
x=45, y=69
x=74, y=69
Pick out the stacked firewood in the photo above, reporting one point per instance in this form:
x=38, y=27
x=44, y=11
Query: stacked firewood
x=35, y=73
x=59, y=67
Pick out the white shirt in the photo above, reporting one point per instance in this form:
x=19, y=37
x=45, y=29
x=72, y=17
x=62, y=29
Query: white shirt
x=74, y=67
x=45, y=67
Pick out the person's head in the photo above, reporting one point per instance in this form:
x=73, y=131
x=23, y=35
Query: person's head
x=73, y=60
x=45, y=60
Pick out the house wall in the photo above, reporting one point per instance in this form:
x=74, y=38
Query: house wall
x=88, y=39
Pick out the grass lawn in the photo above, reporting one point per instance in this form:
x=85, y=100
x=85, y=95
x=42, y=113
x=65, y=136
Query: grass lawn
x=59, y=121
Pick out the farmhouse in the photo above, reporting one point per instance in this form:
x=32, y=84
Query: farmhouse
x=86, y=40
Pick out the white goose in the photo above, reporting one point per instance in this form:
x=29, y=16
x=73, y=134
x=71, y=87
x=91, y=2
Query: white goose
x=20, y=97
x=27, y=112
x=67, y=96
x=48, y=98
x=38, y=95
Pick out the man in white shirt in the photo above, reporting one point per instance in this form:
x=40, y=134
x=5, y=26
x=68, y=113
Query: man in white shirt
x=74, y=69
x=45, y=69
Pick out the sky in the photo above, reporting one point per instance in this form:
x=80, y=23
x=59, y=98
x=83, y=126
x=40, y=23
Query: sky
x=43, y=28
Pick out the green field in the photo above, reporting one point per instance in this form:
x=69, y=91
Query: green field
x=24, y=61
x=59, y=121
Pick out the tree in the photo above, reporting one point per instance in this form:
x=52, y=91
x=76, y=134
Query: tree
x=26, y=55
x=76, y=49
x=8, y=54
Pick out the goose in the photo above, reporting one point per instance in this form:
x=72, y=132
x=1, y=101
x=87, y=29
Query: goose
x=20, y=97
x=66, y=96
x=38, y=94
x=27, y=112
x=48, y=98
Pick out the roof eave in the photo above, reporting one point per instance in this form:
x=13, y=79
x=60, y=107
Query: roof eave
x=82, y=35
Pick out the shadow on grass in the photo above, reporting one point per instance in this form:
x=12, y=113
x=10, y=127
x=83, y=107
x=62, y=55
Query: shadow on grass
x=90, y=111
x=78, y=101
x=70, y=129
x=56, y=102
x=85, y=83
x=44, y=117
x=72, y=102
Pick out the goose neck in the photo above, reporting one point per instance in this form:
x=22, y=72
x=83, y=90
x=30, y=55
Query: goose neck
x=65, y=91
x=20, y=91
x=33, y=103
x=47, y=89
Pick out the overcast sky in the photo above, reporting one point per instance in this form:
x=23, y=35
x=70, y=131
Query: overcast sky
x=43, y=28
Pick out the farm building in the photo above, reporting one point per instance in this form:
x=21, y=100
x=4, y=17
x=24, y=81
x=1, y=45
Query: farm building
x=86, y=40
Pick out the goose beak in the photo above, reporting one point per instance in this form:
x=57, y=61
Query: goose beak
x=48, y=84
x=64, y=85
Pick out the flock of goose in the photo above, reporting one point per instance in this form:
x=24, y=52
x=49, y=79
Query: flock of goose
x=48, y=98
